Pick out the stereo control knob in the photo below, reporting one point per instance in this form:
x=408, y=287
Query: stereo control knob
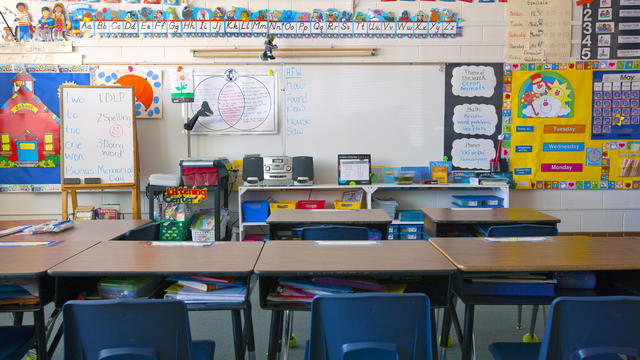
x=267, y=168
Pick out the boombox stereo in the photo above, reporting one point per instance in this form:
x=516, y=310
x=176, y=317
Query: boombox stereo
x=278, y=171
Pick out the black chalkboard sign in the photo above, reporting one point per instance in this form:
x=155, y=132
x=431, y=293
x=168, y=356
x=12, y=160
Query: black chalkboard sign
x=472, y=114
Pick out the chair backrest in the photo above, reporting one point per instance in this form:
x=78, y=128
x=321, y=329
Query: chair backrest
x=370, y=326
x=522, y=230
x=335, y=232
x=591, y=327
x=126, y=329
x=150, y=231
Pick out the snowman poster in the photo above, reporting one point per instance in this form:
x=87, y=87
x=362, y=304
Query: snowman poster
x=546, y=94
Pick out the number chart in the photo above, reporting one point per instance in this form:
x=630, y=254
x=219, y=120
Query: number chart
x=610, y=30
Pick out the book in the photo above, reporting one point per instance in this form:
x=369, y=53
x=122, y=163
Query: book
x=209, y=280
x=514, y=281
x=363, y=284
x=201, y=286
x=318, y=289
x=228, y=294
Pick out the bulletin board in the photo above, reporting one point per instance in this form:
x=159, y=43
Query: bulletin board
x=472, y=114
x=563, y=135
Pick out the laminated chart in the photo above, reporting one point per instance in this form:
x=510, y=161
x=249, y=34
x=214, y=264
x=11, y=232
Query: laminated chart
x=240, y=103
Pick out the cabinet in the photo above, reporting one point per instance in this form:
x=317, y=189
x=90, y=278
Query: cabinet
x=335, y=191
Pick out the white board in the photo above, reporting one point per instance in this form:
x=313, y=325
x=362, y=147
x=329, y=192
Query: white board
x=241, y=103
x=98, y=134
x=393, y=112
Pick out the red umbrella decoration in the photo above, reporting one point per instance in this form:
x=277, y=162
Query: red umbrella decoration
x=141, y=88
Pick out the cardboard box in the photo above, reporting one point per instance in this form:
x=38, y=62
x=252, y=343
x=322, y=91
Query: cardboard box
x=85, y=212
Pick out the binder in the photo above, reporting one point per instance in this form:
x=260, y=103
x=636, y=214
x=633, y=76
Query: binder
x=508, y=289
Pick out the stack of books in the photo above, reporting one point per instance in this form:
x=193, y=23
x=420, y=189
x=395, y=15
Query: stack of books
x=305, y=289
x=15, y=295
x=510, y=285
x=204, y=289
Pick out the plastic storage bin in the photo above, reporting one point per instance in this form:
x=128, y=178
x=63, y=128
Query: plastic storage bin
x=282, y=205
x=347, y=204
x=478, y=201
x=255, y=211
x=174, y=230
x=310, y=204
x=411, y=228
x=411, y=215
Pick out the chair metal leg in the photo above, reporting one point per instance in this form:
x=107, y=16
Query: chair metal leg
x=17, y=318
x=238, y=338
x=434, y=334
x=467, y=340
x=275, y=335
x=41, y=339
x=531, y=334
x=519, y=322
x=249, y=336
x=286, y=333
x=473, y=341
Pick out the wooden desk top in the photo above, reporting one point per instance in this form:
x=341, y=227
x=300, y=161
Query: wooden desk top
x=5, y=224
x=563, y=254
x=369, y=216
x=119, y=257
x=305, y=258
x=36, y=260
x=94, y=230
x=491, y=215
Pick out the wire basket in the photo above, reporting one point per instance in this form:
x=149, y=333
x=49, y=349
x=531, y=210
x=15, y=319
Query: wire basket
x=203, y=235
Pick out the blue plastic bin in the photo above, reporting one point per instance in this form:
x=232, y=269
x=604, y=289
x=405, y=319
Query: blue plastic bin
x=255, y=211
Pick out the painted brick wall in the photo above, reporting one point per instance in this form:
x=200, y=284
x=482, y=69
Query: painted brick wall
x=483, y=41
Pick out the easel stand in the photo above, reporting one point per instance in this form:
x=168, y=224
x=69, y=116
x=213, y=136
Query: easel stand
x=72, y=189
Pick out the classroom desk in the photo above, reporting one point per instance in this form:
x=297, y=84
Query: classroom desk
x=442, y=221
x=34, y=261
x=135, y=258
x=404, y=260
x=283, y=219
x=615, y=261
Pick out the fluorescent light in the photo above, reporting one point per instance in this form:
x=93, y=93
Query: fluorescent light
x=284, y=52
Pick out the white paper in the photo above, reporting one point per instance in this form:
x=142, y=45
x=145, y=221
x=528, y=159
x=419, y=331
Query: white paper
x=475, y=119
x=472, y=153
x=470, y=81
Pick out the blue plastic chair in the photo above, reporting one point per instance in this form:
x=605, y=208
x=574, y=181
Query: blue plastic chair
x=130, y=330
x=335, y=232
x=593, y=328
x=15, y=341
x=370, y=326
x=521, y=230
x=150, y=231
